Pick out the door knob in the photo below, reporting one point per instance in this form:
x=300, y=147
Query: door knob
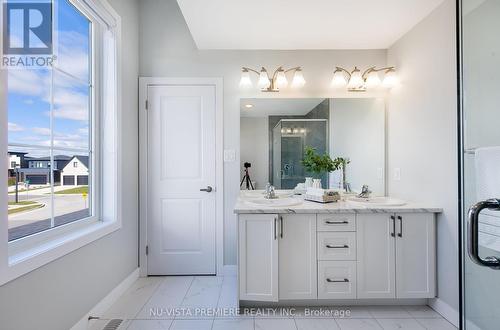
x=473, y=233
x=207, y=189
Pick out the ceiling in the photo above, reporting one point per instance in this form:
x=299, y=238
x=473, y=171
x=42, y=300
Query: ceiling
x=271, y=107
x=300, y=24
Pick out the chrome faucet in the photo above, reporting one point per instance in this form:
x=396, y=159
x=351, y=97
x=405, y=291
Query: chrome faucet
x=365, y=192
x=270, y=193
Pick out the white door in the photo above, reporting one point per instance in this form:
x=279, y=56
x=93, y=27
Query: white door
x=297, y=256
x=258, y=257
x=181, y=162
x=415, y=255
x=375, y=256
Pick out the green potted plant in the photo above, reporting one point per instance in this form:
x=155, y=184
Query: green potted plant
x=318, y=164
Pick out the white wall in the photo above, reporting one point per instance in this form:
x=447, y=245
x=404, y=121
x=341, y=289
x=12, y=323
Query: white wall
x=167, y=49
x=58, y=294
x=254, y=148
x=358, y=133
x=422, y=134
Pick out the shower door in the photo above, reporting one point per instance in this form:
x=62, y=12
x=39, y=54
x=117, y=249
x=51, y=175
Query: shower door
x=480, y=131
x=290, y=138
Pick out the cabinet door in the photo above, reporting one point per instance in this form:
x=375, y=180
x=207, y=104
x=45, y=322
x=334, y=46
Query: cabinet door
x=297, y=257
x=375, y=256
x=258, y=257
x=415, y=255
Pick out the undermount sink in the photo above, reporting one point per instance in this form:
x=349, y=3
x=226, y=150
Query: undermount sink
x=286, y=201
x=378, y=201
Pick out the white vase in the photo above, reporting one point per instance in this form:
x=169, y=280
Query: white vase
x=317, y=183
x=309, y=182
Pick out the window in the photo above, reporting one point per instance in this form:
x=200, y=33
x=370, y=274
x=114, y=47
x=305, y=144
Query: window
x=52, y=121
x=13, y=164
x=61, y=111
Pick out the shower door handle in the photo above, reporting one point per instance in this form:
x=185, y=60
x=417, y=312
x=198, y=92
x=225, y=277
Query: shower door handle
x=473, y=233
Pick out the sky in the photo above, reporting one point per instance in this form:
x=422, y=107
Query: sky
x=29, y=90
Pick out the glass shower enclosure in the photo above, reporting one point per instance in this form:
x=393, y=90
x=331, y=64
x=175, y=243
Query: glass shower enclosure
x=290, y=137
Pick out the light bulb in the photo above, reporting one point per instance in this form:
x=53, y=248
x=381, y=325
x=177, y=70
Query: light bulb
x=289, y=130
x=295, y=130
x=264, y=81
x=298, y=79
x=281, y=81
x=245, y=80
x=339, y=79
x=356, y=80
x=373, y=80
x=390, y=79
x=302, y=130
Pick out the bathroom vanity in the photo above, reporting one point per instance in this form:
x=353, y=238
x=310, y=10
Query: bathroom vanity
x=339, y=251
x=292, y=251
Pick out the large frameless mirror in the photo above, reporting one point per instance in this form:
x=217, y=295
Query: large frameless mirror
x=275, y=134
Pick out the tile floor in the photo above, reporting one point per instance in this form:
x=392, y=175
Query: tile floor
x=189, y=302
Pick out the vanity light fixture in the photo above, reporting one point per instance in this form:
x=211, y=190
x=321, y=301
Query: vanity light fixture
x=294, y=130
x=249, y=106
x=273, y=83
x=360, y=82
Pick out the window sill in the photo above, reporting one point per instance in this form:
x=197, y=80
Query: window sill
x=32, y=256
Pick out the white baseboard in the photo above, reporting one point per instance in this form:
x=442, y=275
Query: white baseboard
x=230, y=270
x=103, y=305
x=445, y=310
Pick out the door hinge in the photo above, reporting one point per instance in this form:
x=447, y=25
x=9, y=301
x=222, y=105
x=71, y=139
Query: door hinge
x=147, y=105
x=147, y=249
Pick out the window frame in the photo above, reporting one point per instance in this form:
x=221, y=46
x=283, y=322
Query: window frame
x=28, y=253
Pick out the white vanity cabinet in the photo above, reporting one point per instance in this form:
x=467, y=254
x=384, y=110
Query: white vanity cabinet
x=396, y=255
x=258, y=257
x=277, y=257
x=376, y=256
x=297, y=257
x=415, y=255
x=368, y=255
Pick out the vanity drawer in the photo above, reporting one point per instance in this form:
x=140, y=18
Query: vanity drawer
x=337, y=279
x=336, y=222
x=336, y=246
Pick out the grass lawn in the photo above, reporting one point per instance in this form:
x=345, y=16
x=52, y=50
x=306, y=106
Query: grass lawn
x=22, y=203
x=77, y=190
x=25, y=208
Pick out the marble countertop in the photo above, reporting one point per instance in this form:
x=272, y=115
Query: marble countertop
x=338, y=207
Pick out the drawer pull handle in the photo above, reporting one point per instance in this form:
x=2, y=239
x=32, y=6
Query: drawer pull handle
x=331, y=280
x=345, y=246
x=330, y=222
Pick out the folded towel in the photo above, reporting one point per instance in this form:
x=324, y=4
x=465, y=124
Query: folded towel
x=315, y=191
x=320, y=192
